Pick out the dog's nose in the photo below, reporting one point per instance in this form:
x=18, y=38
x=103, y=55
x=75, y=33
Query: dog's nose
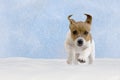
x=80, y=42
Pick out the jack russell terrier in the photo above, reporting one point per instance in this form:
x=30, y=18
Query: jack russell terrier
x=79, y=43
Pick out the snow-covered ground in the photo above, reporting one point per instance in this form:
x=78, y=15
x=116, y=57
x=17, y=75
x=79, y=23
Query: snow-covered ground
x=57, y=69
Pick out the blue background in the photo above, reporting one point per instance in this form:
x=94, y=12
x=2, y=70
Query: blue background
x=37, y=28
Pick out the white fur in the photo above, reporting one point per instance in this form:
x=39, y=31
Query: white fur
x=85, y=52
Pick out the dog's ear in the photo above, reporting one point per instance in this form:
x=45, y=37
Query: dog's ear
x=89, y=19
x=71, y=20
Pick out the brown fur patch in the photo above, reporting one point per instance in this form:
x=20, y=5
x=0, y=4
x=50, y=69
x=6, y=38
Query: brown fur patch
x=81, y=28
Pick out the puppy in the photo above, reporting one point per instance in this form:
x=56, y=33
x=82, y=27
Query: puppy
x=79, y=43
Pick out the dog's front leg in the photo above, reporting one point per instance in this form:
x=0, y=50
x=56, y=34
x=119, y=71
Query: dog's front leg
x=76, y=56
x=70, y=54
x=92, y=55
x=84, y=55
x=70, y=57
x=91, y=58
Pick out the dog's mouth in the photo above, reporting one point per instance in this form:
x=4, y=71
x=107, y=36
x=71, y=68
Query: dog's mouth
x=79, y=45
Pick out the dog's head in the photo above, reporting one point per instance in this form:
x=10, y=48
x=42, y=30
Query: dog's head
x=80, y=31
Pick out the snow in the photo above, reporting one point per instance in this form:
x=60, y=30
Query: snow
x=57, y=69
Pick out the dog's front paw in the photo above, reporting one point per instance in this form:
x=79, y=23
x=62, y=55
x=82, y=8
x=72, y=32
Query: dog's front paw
x=82, y=60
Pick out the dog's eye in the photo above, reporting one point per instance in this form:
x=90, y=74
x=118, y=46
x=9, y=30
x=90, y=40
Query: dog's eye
x=86, y=32
x=74, y=32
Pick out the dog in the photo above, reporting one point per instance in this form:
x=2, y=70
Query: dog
x=79, y=43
